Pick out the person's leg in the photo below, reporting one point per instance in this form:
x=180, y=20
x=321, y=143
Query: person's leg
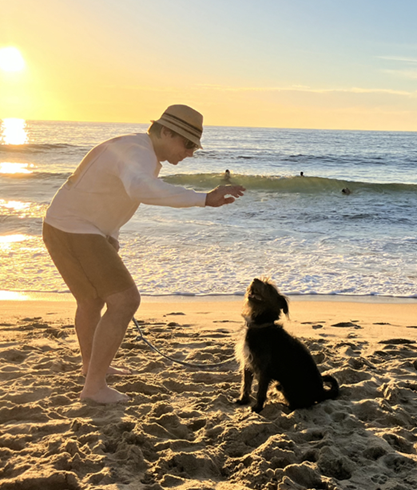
x=87, y=317
x=96, y=275
x=107, y=338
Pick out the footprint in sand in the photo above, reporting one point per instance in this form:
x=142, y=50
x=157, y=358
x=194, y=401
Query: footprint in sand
x=397, y=341
x=13, y=355
x=346, y=325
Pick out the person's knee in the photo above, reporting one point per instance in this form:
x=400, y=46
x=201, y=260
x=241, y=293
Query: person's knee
x=92, y=305
x=127, y=301
x=134, y=301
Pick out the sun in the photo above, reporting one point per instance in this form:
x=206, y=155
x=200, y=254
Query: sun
x=11, y=59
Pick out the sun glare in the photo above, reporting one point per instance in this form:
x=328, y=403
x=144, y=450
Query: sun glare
x=15, y=168
x=13, y=131
x=8, y=242
x=13, y=296
x=15, y=205
x=12, y=238
x=19, y=209
x=11, y=59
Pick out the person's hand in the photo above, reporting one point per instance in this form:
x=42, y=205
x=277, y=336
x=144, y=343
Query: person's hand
x=217, y=197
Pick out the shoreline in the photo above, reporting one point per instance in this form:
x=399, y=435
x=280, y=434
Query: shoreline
x=373, y=319
x=183, y=298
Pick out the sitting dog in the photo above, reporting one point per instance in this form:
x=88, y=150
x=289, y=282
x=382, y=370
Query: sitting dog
x=270, y=353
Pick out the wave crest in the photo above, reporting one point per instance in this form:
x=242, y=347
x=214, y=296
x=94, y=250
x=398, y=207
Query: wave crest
x=287, y=184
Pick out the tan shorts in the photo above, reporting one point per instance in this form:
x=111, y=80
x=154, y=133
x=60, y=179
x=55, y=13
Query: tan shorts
x=88, y=263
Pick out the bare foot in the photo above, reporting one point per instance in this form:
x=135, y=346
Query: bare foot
x=105, y=395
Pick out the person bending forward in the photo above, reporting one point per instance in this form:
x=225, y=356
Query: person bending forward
x=81, y=231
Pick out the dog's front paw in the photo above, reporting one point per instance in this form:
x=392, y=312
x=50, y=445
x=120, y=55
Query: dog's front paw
x=243, y=400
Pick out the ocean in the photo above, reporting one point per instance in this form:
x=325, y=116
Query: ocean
x=301, y=231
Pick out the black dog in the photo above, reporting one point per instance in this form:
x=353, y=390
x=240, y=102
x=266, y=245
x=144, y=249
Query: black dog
x=270, y=353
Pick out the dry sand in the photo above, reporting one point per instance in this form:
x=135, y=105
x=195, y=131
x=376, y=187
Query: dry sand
x=181, y=429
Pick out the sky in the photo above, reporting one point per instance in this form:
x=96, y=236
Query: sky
x=328, y=64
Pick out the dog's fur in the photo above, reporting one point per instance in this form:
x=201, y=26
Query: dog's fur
x=270, y=353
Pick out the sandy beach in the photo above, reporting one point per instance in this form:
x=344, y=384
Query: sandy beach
x=181, y=428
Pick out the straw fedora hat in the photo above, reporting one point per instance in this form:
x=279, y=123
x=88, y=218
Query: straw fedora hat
x=183, y=120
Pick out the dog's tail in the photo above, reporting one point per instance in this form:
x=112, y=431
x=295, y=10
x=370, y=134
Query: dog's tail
x=333, y=391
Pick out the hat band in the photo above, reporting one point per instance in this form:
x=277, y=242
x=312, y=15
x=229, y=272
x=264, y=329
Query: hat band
x=176, y=121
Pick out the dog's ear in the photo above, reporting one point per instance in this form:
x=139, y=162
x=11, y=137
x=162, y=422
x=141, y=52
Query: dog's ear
x=284, y=304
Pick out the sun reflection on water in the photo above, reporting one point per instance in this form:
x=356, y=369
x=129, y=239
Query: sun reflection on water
x=15, y=168
x=10, y=242
x=13, y=131
x=15, y=205
x=20, y=209
x=13, y=296
x=5, y=239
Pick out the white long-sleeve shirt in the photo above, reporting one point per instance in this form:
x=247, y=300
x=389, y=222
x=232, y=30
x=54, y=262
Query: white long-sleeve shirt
x=109, y=184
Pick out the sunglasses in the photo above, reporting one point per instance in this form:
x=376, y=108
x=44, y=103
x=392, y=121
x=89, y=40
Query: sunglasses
x=189, y=145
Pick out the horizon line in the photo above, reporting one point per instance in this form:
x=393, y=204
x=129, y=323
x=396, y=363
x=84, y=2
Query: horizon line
x=217, y=125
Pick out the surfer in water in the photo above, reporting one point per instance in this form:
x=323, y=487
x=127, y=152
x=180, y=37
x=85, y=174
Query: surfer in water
x=226, y=176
